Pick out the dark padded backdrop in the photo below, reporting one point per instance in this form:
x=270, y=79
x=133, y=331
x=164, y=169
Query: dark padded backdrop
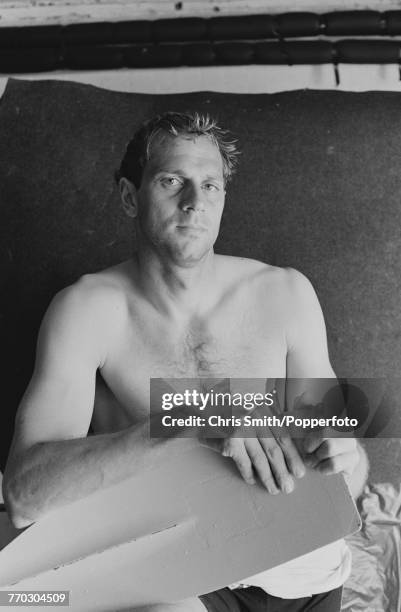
x=319, y=189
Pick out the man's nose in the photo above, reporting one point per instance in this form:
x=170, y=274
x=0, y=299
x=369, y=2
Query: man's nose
x=192, y=198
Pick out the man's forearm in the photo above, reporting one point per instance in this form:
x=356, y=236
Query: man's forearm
x=52, y=474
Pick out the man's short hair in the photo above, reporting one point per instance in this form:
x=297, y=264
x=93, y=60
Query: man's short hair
x=188, y=125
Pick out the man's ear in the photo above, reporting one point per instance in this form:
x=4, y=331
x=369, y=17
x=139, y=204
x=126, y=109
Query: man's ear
x=129, y=197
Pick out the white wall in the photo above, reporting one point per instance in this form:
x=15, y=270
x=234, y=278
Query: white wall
x=239, y=79
x=32, y=12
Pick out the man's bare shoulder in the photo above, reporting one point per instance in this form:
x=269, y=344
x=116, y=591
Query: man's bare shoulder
x=110, y=283
x=287, y=281
x=94, y=297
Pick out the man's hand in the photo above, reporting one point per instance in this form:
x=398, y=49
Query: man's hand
x=275, y=461
x=331, y=455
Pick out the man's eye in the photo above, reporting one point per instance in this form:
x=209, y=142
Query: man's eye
x=171, y=181
x=211, y=187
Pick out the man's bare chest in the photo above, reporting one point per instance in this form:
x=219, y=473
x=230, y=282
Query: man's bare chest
x=242, y=344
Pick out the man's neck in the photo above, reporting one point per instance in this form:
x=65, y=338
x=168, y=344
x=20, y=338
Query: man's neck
x=175, y=290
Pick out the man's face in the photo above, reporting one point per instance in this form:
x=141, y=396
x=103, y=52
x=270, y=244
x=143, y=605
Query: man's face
x=181, y=198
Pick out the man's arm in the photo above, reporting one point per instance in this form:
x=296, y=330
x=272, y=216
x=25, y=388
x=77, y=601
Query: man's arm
x=309, y=375
x=52, y=462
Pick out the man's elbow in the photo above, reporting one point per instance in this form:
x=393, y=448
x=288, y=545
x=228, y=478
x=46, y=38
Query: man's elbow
x=18, y=521
x=17, y=508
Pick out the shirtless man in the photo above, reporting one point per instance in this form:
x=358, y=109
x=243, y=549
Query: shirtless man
x=176, y=309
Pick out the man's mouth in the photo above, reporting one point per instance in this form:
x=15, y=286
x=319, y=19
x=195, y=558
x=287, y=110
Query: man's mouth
x=192, y=228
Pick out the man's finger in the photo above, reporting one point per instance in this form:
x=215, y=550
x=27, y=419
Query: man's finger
x=312, y=441
x=235, y=449
x=261, y=464
x=345, y=462
x=314, y=438
x=335, y=446
x=330, y=448
x=277, y=464
x=292, y=457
